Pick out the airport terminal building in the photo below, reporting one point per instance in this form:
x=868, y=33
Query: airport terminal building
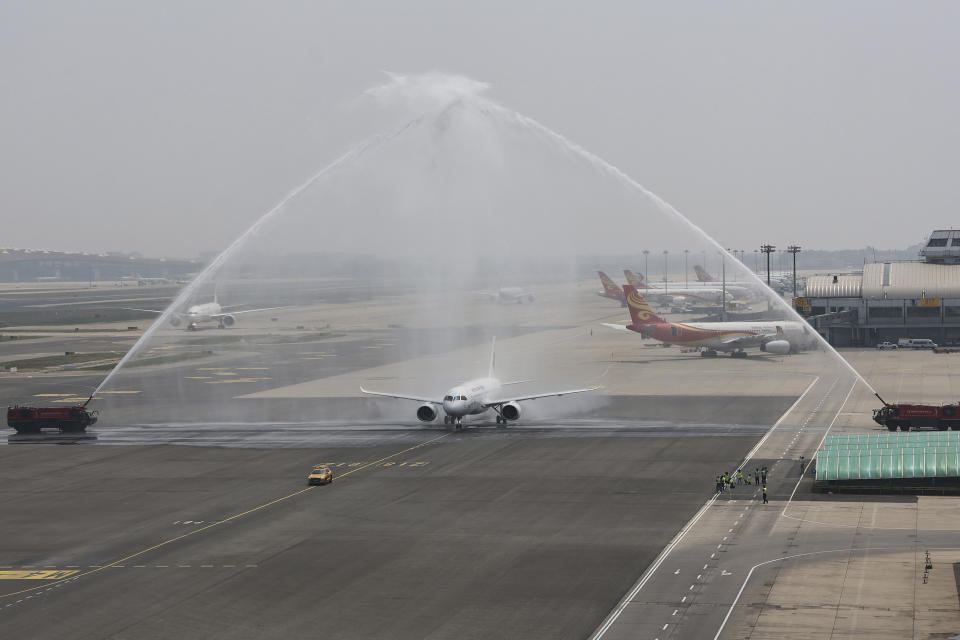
x=891, y=300
x=27, y=265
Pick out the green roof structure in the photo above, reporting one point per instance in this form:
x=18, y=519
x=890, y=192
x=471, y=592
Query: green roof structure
x=890, y=461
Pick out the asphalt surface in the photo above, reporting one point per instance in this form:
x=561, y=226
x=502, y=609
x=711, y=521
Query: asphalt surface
x=458, y=536
x=534, y=531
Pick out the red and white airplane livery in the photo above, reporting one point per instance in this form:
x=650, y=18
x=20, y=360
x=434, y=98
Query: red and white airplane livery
x=779, y=337
x=611, y=289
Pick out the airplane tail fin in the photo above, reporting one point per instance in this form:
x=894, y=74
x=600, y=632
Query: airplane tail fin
x=641, y=312
x=633, y=280
x=702, y=274
x=608, y=285
x=644, y=284
x=493, y=356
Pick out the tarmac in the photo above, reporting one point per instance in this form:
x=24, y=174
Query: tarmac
x=544, y=529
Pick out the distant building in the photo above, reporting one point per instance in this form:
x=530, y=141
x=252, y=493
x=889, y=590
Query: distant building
x=31, y=265
x=891, y=300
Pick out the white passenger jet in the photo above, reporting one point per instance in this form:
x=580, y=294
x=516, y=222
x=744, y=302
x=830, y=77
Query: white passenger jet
x=475, y=397
x=510, y=295
x=711, y=295
x=206, y=312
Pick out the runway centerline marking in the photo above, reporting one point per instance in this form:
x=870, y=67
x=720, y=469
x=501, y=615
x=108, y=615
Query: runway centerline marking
x=117, y=563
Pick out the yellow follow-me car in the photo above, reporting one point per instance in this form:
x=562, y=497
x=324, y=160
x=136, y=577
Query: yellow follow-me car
x=320, y=475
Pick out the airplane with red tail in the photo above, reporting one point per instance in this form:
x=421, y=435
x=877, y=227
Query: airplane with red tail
x=776, y=337
x=701, y=294
x=611, y=289
x=702, y=275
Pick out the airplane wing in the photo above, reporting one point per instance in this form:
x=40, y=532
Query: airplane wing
x=738, y=342
x=534, y=396
x=144, y=310
x=400, y=396
x=618, y=327
x=236, y=313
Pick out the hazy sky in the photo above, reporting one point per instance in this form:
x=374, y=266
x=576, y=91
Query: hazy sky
x=169, y=127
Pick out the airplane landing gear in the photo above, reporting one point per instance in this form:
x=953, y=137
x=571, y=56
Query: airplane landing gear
x=501, y=423
x=738, y=354
x=708, y=353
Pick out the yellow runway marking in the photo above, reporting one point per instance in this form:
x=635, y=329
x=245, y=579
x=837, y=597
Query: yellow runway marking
x=224, y=373
x=35, y=575
x=253, y=368
x=100, y=393
x=213, y=368
x=232, y=380
x=196, y=377
x=224, y=521
x=52, y=395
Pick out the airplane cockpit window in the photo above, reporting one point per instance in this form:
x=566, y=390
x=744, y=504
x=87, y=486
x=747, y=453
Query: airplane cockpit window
x=448, y=398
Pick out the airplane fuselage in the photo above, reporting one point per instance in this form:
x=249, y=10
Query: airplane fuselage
x=470, y=398
x=704, y=294
x=716, y=335
x=203, y=312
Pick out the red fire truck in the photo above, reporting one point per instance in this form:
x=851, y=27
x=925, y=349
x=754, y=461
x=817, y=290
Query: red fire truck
x=73, y=419
x=918, y=416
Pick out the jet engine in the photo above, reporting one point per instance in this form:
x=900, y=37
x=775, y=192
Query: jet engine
x=426, y=412
x=510, y=411
x=776, y=347
x=175, y=320
x=228, y=321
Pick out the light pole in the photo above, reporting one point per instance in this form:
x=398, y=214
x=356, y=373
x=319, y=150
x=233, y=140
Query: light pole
x=723, y=290
x=768, y=249
x=665, y=252
x=756, y=261
x=794, y=249
x=686, y=272
x=646, y=265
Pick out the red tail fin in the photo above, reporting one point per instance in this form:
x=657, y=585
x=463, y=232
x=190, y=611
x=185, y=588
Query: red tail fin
x=608, y=285
x=640, y=310
x=702, y=274
x=633, y=280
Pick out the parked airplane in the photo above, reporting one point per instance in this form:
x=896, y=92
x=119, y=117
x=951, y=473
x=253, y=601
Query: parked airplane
x=142, y=281
x=510, y=295
x=777, y=280
x=779, y=338
x=610, y=289
x=474, y=397
x=206, y=312
x=711, y=295
x=739, y=290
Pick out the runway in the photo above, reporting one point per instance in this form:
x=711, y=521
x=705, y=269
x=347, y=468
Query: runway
x=533, y=531
x=457, y=535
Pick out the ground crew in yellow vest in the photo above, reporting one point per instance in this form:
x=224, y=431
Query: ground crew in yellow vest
x=764, y=495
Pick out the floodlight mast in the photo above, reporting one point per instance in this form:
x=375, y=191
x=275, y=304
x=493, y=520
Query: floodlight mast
x=768, y=249
x=794, y=249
